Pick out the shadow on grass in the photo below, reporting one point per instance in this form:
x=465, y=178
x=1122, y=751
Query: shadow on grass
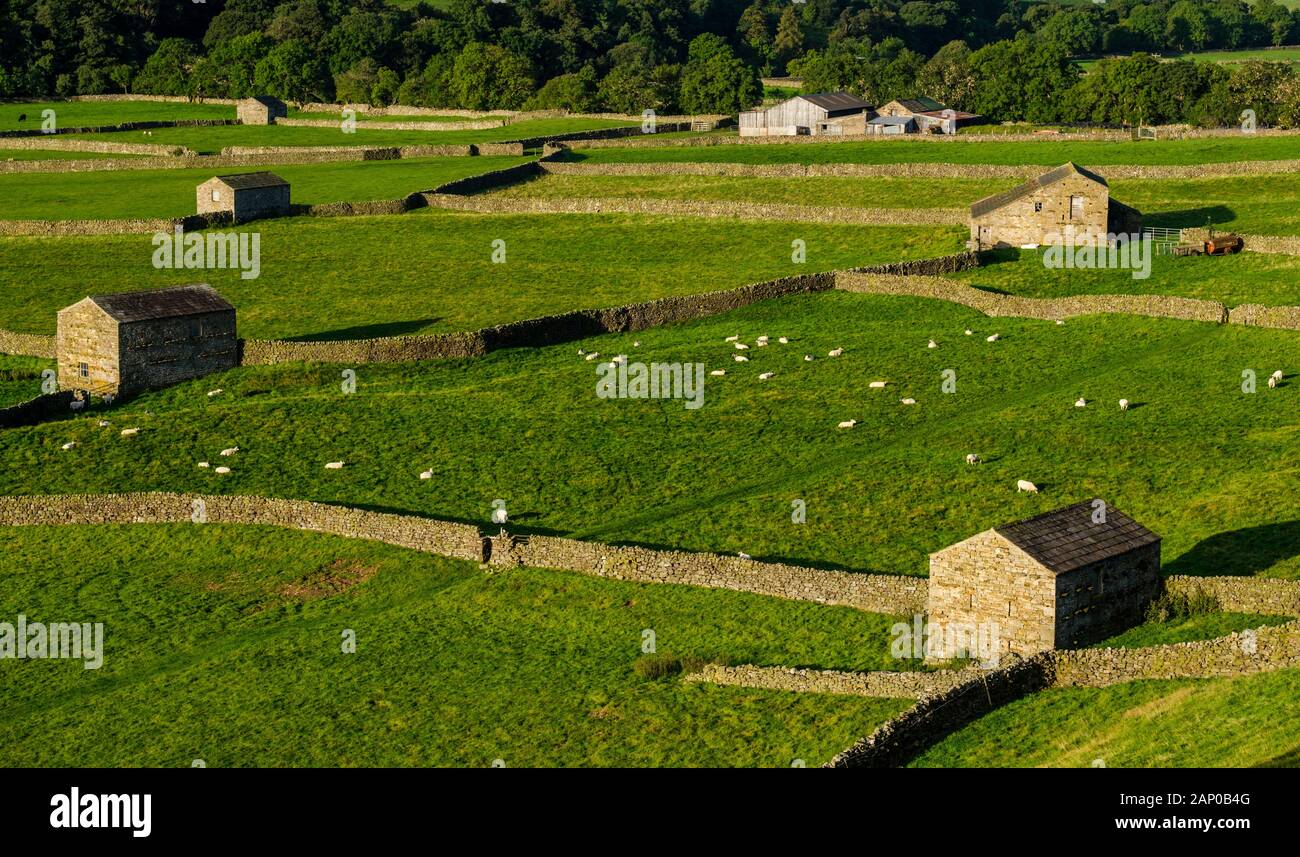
x=1289, y=759
x=1190, y=217
x=1240, y=553
x=1000, y=256
x=368, y=331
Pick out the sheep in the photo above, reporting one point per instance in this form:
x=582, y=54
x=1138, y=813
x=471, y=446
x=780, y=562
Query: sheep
x=70, y=444
x=835, y=352
x=426, y=474
x=499, y=516
x=619, y=358
x=765, y=376
x=743, y=555
x=908, y=401
x=334, y=465
x=1060, y=321
x=77, y=404
x=216, y=392
x=102, y=423
x=222, y=470
x=1272, y=383
x=762, y=343
x=732, y=338
x=932, y=344
x=740, y=358
x=718, y=372
x=848, y=424
x=1026, y=485
x=230, y=451
x=877, y=385
x=994, y=338
x=740, y=346
x=636, y=344
x=581, y=352
x=1081, y=402
x=970, y=332
x=972, y=458
x=592, y=356
x=1123, y=404
x=784, y=340
x=204, y=465
x=1277, y=375
x=127, y=432
x=808, y=358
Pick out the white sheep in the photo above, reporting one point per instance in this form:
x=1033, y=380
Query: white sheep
x=972, y=458
x=970, y=332
x=216, y=392
x=848, y=424
x=102, y=423
x=835, y=353
x=1081, y=402
x=636, y=344
x=127, y=432
x=203, y=464
x=784, y=340
x=70, y=444
x=1060, y=321
x=334, y=465
x=619, y=358
x=222, y=470
x=229, y=451
x=77, y=404
x=1272, y=383
x=1026, y=485
x=994, y=338
x=743, y=555
x=1277, y=375
x=932, y=344
x=765, y=376
x=426, y=474
x=592, y=356
x=877, y=385
x=908, y=401
x=718, y=372
x=499, y=516
x=1123, y=404
x=740, y=346
x=732, y=338
x=808, y=358
x=740, y=358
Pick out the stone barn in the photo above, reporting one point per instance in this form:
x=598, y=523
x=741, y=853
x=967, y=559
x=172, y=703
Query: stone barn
x=922, y=116
x=1068, y=199
x=1064, y=579
x=245, y=196
x=131, y=341
x=260, y=110
x=817, y=114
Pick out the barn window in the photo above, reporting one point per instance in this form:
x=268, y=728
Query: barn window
x=1038, y=206
x=83, y=370
x=216, y=196
x=1076, y=208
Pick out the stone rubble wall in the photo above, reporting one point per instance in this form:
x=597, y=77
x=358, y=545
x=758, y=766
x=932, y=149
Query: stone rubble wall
x=883, y=685
x=1265, y=596
x=1257, y=315
x=36, y=410
x=479, y=125
x=1288, y=245
x=27, y=344
x=51, y=144
x=125, y=126
x=60, y=228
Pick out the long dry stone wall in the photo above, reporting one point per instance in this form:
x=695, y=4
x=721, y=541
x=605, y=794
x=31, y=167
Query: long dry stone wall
x=95, y=146
x=479, y=125
x=884, y=685
x=125, y=126
x=26, y=344
x=36, y=410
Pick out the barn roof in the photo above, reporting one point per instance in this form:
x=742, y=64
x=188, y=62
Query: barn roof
x=249, y=181
x=1069, y=538
x=1051, y=177
x=266, y=100
x=171, y=302
x=919, y=105
x=892, y=120
x=836, y=102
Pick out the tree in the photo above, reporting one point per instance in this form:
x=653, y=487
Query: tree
x=167, y=72
x=228, y=71
x=575, y=92
x=789, y=36
x=354, y=85
x=715, y=81
x=293, y=71
x=947, y=78
x=634, y=89
x=430, y=87
x=488, y=77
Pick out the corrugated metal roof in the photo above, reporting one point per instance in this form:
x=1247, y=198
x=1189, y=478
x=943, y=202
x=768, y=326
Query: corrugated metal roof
x=920, y=105
x=997, y=200
x=836, y=101
x=1069, y=538
x=892, y=120
x=249, y=181
x=956, y=114
x=171, y=302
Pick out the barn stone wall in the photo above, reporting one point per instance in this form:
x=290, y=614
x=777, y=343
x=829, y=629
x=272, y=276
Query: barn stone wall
x=87, y=335
x=160, y=352
x=36, y=410
x=1104, y=598
x=1046, y=212
x=884, y=685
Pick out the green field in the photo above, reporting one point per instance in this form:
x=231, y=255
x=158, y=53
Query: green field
x=83, y=114
x=224, y=644
x=20, y=378
x=432, y=270
x=1038, y=152
x=127, y=194
x=1283, y=54
x=1229, y=722
x=1209, y=468
x=337, y=116
x=211, y=140
x=55, y=155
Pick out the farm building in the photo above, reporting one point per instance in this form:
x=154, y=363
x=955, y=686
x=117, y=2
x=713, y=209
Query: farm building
x=1066, y=200
x=1063, y=579
x=122, y=343
x=921, y=116
x=245, y=196
x=819, y=114
x=260, y=110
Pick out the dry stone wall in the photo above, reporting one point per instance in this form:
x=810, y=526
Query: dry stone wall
x=95, y=146
x=26, y=344
x=35, y=410
x=58, y=228
x=1258, y=595
x=884, y=685
x=125, y=126
x=480, y=125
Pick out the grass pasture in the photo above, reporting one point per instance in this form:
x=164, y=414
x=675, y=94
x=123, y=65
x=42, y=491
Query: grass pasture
x=83, y=114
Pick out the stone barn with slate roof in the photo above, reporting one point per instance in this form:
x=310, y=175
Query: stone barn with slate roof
x=1064, y=579
x=816, y=114
x=260, y=110
x=131, y=341
x=245, y=196
x=1043, y=210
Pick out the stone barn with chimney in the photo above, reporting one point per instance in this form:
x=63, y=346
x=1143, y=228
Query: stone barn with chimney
x=260, y=110
x=246, y=196
x=1043, y=210
x=131, y=341
x=1064, y=579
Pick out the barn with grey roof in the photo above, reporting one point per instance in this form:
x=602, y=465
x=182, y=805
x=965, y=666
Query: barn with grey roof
x=245, y=196
x=1064, y=579
x=132, y=341
x=814, y=114
x=1068, y=203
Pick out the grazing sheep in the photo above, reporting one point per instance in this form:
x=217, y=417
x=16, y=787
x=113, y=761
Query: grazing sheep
x=908, y=401
x=970, y=332
x=1277, y=375
x=1272, y=383
x=743, y=555
x=765, y=376
x=1026, y=485
x=619, y=358
x=932, y=344
x=203, y=464
x=835, y=353
x=994, y=338
x=216, y=392
x=102, y=423
x=222, y=470
x=1081, y=402
x=740, y=358
x=426, y=474
x=77, y=404
x=784, y=340
x=740, y=346
x=762, y=343
x=877, y=385
x=848, y=424
x=70, y=444
x=1060, y=321
x=718, y=372
x=334, y=465
x=592, y=356
x=499, y=516
x=972, y=458
x=808, y=358
x=581, y=352
x=127, y=432
x=636, y=344
x=1123, y=404
x=732, y=338
x=230, y=451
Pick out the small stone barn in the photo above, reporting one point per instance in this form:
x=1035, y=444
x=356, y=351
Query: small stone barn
x=817, y=114
x=1068, y=199
x=245, y=196
x=927, y=117
x=122, y=343
x=1059, y=580
x=260, y=110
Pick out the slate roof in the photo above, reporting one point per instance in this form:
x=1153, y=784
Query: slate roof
x=171, y=302
x=998, y=200
x=266, y=100
x=920, y=105
x=1068, y=538
x=836, y=102
x=249, y=181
